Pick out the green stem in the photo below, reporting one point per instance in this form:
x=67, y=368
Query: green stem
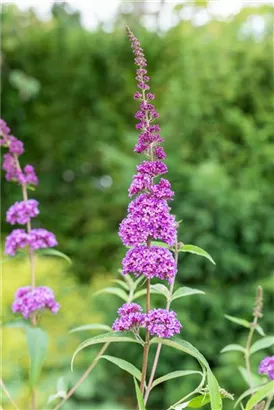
x=5, y=390
x=146, y=345
x=159, y=347
x=83, y=377
x=247, y=351
x=269, y=401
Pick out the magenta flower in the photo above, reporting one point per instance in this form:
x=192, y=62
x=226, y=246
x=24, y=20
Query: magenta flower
x=22, y=212
x=36, y=239
x=267, y=367
x=28, y=300
x=162, y=323
x=130, y=318
x=152, y=262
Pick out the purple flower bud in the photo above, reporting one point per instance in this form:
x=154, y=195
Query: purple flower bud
x=159, y=153
x=28, y=300
x=152, y=168
x=16, y=146
x=22, y=212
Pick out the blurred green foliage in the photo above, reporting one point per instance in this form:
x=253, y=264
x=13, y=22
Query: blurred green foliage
x=213, y=86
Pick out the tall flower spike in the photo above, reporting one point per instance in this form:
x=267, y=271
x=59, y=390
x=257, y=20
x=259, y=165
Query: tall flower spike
x=148, y=214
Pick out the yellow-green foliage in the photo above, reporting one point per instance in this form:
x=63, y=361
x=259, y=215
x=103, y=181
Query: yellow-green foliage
x=76, y=309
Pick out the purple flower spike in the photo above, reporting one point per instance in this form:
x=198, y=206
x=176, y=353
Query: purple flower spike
x=22, y=212
x=162, y=323
x=28, y=300
x=267, y=367
x=152, y=262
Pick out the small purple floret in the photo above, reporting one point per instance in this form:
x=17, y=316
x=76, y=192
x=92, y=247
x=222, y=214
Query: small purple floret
x=28, y=300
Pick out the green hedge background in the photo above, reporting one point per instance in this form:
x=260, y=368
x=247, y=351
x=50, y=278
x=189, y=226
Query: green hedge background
x=67, y=93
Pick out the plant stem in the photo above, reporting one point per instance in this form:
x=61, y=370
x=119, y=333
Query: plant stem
x=247, y=352
x=159, y=347
x=269, y=401
x=5, y=390
x=83, y=377
x=146, y=345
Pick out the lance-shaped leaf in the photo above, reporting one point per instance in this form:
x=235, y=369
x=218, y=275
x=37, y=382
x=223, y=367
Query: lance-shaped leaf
x=54, y=252
x=214, y=390
x=139, y=396
x=197, y=251
x=18, y=323
x=263, y=392
x=143, y=292
x=161, y=289
x=113, y=291
x=91, y=326
x=174, y=375
x=11, y=258
x=123, y=364
x=110, y=337
x=247, y=393
x=260, y=330
x=37, y=341
x=233, y=348
x=185, y=291
x=121, y=283
x=262, y=344
x=238, y=321
x=255, y=379
x=161, y=244
x=195, y=403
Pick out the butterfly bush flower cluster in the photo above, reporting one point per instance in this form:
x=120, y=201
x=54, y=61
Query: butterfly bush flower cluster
x=27, y=299
x=159, y=322
x=267, y=367
x=149, y=216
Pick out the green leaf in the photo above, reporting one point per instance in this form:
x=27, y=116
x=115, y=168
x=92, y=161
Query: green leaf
x=123, y=364
x=161, y=244
x=61, y=391
x=143, y=292
x=161, y=289
x=121, y=283
x=255, y=379
x=19, y=323
x=197, y=251
x=173, y=375
x=238, y=321
x=262, y=344
x=54, y=252
x=37, y=341
x=263, y=392
x=214, y=391
x=195, y=403
x=113, y=291
x=105, y=338
x=91, y=326
x=247, y=393
x=260, y=330
x=140, y=399
x=185, y=291
x=233, y=348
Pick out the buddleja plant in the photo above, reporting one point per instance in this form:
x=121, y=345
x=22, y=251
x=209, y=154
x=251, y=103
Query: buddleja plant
x=260, y=390
x=31, y=300
x=150, y=232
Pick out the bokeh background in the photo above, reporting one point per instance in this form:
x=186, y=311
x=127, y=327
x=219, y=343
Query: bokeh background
x=67, y=93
